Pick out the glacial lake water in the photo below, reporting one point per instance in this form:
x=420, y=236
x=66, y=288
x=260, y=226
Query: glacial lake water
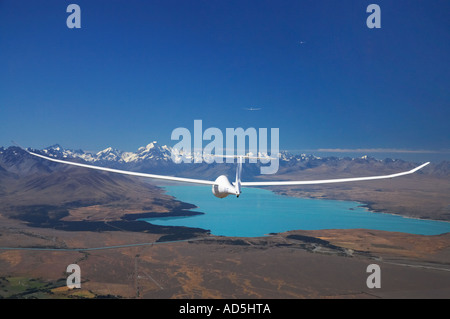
x=258, y=212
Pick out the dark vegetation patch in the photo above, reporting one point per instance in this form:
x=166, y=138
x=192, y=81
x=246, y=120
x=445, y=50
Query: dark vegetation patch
x=313, y=240
x=47, y=216
x=227, y=241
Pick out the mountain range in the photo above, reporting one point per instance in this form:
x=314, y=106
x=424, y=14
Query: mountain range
x=156, y=158
x=28, y=182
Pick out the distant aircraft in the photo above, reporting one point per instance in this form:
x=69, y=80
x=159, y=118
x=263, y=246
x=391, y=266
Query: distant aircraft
x=222, y=187
x=252, y=109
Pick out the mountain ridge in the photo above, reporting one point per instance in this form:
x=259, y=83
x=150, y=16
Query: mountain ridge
x=31, y=180
x=156, y=158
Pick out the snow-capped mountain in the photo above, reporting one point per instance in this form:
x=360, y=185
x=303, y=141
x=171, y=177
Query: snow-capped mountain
x=151, y=151
x=157, y=159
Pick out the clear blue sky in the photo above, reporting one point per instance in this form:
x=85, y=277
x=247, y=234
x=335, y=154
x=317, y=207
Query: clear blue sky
x=136, y=70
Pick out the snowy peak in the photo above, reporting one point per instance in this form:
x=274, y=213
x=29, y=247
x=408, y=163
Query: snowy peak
x=109, y=154
x=151, y=151
x=149, y=147
x=58, y=151
x=154, y=151
x=55, y=147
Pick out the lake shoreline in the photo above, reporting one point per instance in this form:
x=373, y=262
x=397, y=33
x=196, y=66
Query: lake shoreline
x=413, y=225
x=368, y=205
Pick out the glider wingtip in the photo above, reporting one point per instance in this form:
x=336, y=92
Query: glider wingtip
x=18, y=145
x=23, y=148
x=425, y=164
x=420, y=167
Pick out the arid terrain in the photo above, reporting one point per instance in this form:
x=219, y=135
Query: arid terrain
x=297, y=264
x=51, y=219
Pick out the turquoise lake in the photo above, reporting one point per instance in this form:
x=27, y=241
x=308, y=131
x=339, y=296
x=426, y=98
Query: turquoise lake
x=258, y=212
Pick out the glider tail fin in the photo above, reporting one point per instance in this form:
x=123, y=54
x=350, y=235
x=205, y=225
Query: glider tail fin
x=238, y=176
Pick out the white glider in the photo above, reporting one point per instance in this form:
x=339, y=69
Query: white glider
x=222, y=187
